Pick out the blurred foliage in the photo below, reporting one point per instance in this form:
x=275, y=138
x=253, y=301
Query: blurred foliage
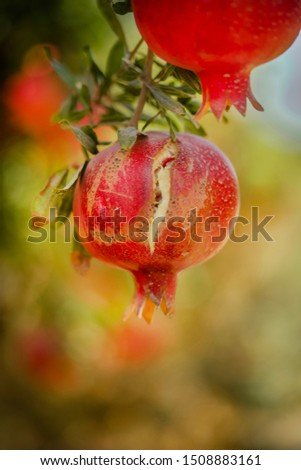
x=62, y=22
x=225, y=372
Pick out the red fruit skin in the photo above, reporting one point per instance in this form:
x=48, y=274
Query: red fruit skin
x=222, y=41
x=156, y=178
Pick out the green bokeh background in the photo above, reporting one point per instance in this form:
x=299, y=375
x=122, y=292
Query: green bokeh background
x=224, y=372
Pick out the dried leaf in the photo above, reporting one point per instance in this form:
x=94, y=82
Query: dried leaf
x=80, y=257
x=58, y=195
x=48, y=197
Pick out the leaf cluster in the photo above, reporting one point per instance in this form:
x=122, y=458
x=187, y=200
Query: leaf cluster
x=171, y=97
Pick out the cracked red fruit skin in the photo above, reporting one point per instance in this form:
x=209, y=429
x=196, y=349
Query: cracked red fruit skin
x=222, y=41
x=157, y=178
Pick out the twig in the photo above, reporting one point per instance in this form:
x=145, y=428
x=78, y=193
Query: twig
x=151, y=120
x=136, y=48
x=147, y=77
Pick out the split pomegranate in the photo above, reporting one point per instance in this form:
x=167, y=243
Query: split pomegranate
x=222, y=41
x=155, y=210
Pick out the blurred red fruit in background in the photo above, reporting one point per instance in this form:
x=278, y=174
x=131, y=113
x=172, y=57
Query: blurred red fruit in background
x=134, y=344
x=41, y=355
x=34, y=95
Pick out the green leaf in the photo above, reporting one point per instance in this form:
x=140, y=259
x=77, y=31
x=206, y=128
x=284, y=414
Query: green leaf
x=70, y=112
x=171, y=129
x=66, y=202
x=191, y=105
x=128, y=136
x=67, y=192
x=85, y=135
x=129, y=72
x=131, y=88
x=149, y=119
x=113, y=115
x=108, y=12
x=174, y=121
x=179, y=91
x=166, y=71
x=199, y=130
x=121, y=7
x=67, y=108
x=85, y=96
x=115, y=59
x=97, y=74
x=188, y=77
x=80, y=257
x=61, y=70
x=165, y=101
x=75, y=116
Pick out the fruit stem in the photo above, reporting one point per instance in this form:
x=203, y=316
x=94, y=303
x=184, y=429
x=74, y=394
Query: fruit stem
x=147, y=77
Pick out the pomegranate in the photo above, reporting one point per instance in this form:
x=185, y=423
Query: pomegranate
x=155, y=210
x=222, y=41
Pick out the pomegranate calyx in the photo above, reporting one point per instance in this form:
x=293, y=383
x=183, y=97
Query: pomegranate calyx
x=222, y=90
x=154, y=289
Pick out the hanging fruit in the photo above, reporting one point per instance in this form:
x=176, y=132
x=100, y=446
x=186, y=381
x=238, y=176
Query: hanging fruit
x=221, y=41
x=156, y=209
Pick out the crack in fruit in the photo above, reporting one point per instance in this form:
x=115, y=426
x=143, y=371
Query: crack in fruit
x=161, y=188
x=155, y=173
x=116, y=193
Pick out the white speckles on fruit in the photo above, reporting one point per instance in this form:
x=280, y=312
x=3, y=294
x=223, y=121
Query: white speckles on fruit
x=152, y=181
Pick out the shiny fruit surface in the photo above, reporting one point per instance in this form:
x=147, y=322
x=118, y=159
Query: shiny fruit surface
x=222, y=41
x=155, y=210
